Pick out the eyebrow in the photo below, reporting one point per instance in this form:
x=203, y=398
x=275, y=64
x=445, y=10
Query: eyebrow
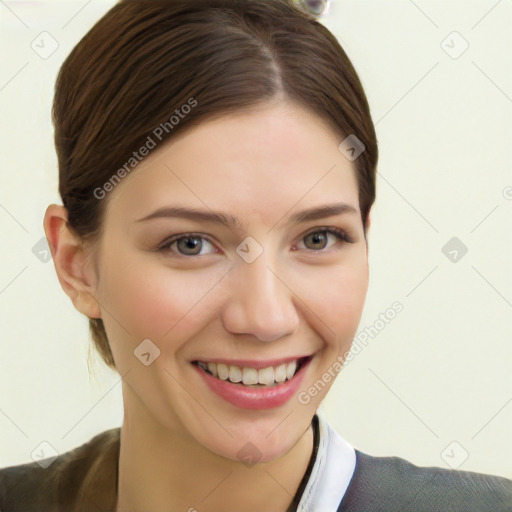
x=228, y=220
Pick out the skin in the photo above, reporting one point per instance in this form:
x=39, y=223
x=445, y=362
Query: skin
x=179, y=440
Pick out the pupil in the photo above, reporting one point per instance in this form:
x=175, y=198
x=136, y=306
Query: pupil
x=190, y=245
x=318, y=239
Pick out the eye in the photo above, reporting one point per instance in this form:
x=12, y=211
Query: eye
x=189, y=245
x=318, y=240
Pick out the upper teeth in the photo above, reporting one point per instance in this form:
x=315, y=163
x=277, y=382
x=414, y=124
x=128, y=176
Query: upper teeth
x=249, y=376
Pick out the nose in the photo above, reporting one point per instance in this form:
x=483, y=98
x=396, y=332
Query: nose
x=261, y=303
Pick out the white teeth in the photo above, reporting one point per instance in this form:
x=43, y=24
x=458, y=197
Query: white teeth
x=222, y=371
x=266, y=376
x=250, y=376
x=212, y=368
x=290, y=369
x=235, y=374
x=280, y=373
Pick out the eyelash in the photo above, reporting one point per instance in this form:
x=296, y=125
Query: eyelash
x=340, y=234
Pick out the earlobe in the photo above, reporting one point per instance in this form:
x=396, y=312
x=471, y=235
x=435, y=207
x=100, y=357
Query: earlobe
x=70, y=257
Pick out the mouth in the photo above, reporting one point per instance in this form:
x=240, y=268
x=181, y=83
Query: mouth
x=252, y=377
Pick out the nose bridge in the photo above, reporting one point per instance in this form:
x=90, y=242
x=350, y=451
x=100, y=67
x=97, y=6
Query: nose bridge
x=260, y=304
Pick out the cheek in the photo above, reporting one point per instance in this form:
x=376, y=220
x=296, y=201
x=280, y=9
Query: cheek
x=336, y=296
x=150, y=300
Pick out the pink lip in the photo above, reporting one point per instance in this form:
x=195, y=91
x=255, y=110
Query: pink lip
x=255, y=397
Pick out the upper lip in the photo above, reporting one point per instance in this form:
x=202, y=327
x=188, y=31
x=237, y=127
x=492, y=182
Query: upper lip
x=252, y=363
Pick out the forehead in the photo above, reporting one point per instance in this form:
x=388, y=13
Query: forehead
x=260, y=163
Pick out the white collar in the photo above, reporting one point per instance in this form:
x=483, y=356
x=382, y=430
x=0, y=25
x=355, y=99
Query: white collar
x=332, y=471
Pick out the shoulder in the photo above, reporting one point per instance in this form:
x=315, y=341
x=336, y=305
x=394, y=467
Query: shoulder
x=392, y=484
x=32, y=488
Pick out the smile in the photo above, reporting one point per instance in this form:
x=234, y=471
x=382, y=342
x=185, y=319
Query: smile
x=249, y=376
x=247, y=387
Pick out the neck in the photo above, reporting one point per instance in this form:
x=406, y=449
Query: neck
x=166, y=470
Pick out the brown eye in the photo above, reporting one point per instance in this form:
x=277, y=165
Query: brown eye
x=316, y=240
x=319, y=239
x=189, y=245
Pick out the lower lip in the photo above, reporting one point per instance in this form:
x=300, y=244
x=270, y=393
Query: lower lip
x=255, y=397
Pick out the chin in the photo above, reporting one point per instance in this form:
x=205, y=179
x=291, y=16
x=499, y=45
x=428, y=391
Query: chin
x=250, y=451
x=255, y=440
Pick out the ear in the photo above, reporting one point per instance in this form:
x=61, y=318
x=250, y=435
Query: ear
x=72, y=261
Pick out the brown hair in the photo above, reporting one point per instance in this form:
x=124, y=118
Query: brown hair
x=144, y=59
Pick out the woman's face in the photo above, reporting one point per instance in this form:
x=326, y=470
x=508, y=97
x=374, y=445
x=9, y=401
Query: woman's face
x=245, y=282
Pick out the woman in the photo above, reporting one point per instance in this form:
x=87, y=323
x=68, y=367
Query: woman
x=217, y=165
